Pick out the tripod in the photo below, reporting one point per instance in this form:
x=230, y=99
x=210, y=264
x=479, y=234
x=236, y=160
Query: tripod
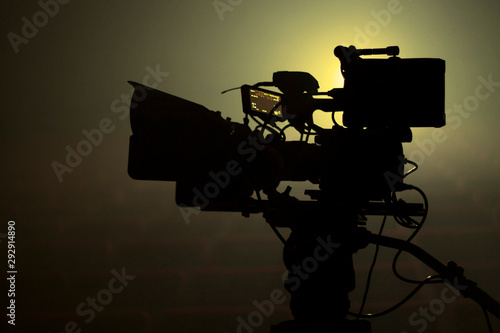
x=318, y=256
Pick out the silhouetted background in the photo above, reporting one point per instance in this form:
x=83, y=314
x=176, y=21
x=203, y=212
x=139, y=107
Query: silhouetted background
x=75, y=233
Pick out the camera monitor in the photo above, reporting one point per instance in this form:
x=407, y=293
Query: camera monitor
x=261, y=102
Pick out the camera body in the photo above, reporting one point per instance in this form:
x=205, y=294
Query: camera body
x=219, y=164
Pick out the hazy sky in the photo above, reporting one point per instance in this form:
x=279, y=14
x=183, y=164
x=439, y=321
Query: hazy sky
x=66, y=72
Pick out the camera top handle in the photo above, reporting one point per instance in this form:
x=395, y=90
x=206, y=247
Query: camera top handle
x=348, y=54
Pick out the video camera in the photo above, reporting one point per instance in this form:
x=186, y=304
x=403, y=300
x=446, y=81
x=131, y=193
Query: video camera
x=358, y=166
x=222, y=165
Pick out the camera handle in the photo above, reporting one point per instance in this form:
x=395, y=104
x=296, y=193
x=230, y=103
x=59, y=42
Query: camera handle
x=451, y=273
x=348, y=54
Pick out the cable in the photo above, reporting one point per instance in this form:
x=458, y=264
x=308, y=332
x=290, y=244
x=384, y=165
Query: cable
x=488, y=322
x=370, y=271
x=428, y=280
x=412, y=170
x=431, y=279
x=411, y=223
x=256, y=120
x=267, y=125
x=276, y=231
x=283, y=135
x=275, y=129
x=334, y=120
x=309, y=133
x=404, y=221
x=263, y=126
x=394, y=307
